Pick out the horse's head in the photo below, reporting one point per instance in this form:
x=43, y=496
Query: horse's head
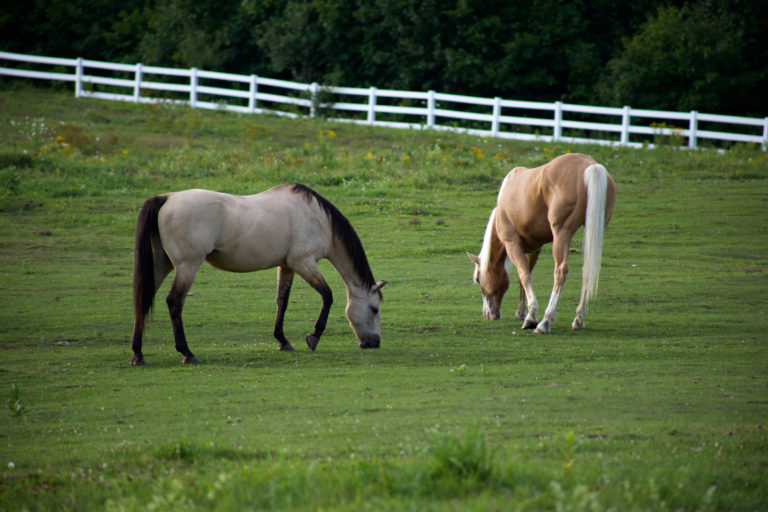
x=493, y=285
x=363, y=314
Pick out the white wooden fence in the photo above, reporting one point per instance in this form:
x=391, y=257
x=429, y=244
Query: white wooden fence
x=491, y=117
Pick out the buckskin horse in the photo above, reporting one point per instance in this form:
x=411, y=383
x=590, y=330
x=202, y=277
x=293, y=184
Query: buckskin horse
x=289, y=226
x=534, y=207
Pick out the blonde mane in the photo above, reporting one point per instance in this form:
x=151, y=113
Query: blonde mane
x=485, y=250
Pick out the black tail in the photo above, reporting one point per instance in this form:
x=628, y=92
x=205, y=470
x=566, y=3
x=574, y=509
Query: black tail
x=144, y=263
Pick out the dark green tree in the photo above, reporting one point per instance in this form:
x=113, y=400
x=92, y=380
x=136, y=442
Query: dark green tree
x=214, y=35
x=709, y=56
x=93, y=29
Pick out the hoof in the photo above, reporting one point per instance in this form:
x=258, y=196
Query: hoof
x=312, y=341
x=530, y=323
x=286, y=347
x=138, y=361
x=543, y=328
x=578, y=324
x=190, y=359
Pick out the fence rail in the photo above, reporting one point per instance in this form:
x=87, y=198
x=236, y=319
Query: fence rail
x=492, y=117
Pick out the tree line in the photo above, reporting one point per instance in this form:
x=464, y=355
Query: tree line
x=706, y=55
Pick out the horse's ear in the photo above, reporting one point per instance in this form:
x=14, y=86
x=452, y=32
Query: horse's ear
x=474, y=258
x=378, y=286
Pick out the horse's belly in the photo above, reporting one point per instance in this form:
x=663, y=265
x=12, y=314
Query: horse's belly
x=533, y=243
x=235, y=262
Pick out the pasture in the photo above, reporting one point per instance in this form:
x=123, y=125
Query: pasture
x=661, y=403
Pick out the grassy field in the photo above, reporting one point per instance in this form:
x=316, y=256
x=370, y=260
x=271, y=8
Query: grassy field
x=660, y=404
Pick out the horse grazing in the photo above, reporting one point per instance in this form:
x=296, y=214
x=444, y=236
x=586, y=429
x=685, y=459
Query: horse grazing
x=535, y=207
x=289, y=226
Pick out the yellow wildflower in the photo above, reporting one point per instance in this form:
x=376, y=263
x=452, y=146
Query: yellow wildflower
x=477, y=152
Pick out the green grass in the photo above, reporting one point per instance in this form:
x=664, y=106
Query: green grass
x=660, y=404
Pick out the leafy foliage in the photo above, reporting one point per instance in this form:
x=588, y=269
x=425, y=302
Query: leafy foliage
x=467, y=458
x=664, y=54
x=707, y=46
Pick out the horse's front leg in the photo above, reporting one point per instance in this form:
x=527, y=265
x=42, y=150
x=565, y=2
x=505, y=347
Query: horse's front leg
x=522, y=302
x=307, y=269
x=325, y=292
x=284, y=283
x=520, y=260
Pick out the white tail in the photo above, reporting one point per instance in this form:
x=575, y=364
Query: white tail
x=595, y=178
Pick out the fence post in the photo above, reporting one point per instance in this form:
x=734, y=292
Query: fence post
x=625, y=126
x=372, y=106
x=193, y=87
x=765, y=134
x=496, y=115
x=252, y=95
x=692, y=127
x=137, y=84
x=430, y=109
x=558, y=128
x=79, y=77
x=313, y=87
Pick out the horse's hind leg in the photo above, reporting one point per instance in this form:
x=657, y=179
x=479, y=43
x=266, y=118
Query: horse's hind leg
x=284, y=283
x=136, y=340
x=182, y=282
x=161, y=267
x=560, y=245
x=581, y=311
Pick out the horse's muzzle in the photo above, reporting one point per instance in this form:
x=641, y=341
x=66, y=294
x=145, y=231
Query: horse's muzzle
x=489, y=309
x=371, y=342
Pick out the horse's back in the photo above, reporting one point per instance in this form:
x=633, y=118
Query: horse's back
x=522, y=212
x=236, y=233
x=535, y=199
x=565, y=173
x=565, y=185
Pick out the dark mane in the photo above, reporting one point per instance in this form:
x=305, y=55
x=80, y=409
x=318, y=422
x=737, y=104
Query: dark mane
x=343, y=231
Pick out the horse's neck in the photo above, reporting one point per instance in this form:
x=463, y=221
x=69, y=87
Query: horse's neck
x=498, y=253
x=493, y=252
x=344, y=265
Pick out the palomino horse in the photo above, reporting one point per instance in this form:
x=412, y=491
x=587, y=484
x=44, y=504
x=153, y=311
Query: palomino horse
x=535, y=207
x=289, y=226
